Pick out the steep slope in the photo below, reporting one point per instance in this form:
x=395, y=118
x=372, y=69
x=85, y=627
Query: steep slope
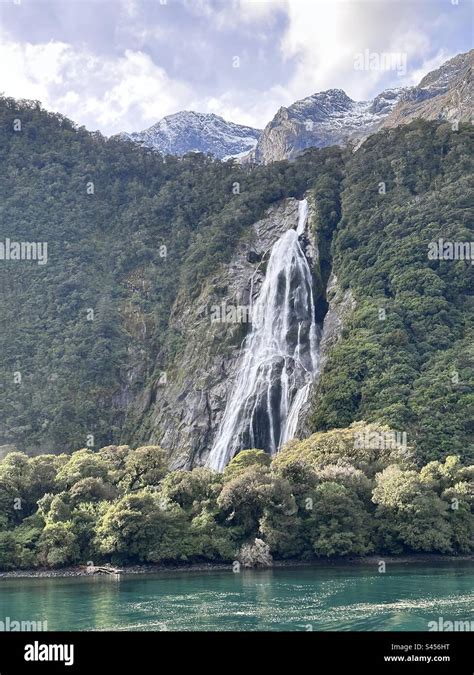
x=445, y=93
x=184, y=416
x=189, y=131
x=210, y=326
x=332, y=118
x=404, y=354
x=326, y=118
x=396, y=325
x=127, y=232
x=109, y=342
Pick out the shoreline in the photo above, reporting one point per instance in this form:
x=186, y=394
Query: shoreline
x=81, y=570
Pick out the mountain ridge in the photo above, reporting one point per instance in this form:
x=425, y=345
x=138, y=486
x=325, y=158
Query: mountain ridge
x=329, y=117
x=324, y=118
x=190, y=131
x=444, y=93
x=332, y=117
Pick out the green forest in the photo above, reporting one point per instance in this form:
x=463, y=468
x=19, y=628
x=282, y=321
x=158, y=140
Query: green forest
x=406, y=357
x=318, y=498
x=129, y=230
x=105, y=254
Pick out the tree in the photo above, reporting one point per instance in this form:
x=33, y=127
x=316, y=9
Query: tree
x=245, y=498
x=92, y=490
x=211, y=540
x=367, y=447
x=338, y=524
x=57, y=545
x=55, y=508
x=140, y=528
x=411, y=515
x=82, y=464
x=255, y=554
x=245, y=459
x=193, y=490
x=144, y=466
x=44, y=470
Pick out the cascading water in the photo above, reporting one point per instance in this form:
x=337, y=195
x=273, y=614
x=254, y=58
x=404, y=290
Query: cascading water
x=280, y=356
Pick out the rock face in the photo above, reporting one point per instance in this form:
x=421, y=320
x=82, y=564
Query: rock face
x=332, y=118
x=279, y=355
x=327, y=118
x=189, y=131
x=340, y=306
x=445, y=93
x=182, y=415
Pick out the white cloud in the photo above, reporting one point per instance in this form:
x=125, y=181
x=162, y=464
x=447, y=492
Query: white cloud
x=120, y=94
x=254, y=109
x=317, y=42
x=254, y=10
x=31, y=69
x=230, y=13
x=132, y=81
x=321, y=40
x=323, y=36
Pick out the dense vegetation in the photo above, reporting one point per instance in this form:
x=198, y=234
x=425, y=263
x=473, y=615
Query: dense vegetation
x=129, y=230
x=68, y=381
x=406, y=354
x=106, y=208
x=321, y=497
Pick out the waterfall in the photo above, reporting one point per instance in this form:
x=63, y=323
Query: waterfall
x=280, y=356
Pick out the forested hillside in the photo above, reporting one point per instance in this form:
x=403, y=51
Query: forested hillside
x=129, y=230
x=126, y=229
x=405, y=357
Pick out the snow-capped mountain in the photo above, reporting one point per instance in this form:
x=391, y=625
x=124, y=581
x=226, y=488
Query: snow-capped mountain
x=189, y=131
x=331, y=117
x=445, y=93
x=327, y=118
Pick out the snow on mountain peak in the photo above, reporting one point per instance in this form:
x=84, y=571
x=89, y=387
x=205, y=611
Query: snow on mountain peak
x=325, y=118
x=190, y=131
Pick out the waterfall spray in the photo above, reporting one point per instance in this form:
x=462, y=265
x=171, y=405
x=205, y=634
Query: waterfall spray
x=280, y=356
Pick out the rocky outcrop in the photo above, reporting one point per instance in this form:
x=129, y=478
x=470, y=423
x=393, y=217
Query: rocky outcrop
x=323, y=119
x=332, y=118
x=182, y=412
x=445, y=93
x=340, y=306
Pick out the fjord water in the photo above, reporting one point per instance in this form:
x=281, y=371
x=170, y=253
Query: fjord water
x=279, y=357
x=406, y=597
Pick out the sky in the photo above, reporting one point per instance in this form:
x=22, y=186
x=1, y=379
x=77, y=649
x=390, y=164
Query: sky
x=122, y=65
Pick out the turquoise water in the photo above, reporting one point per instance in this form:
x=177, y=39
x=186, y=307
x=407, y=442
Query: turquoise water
x=406, y=597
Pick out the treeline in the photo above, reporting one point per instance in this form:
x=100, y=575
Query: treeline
x=344, y=492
